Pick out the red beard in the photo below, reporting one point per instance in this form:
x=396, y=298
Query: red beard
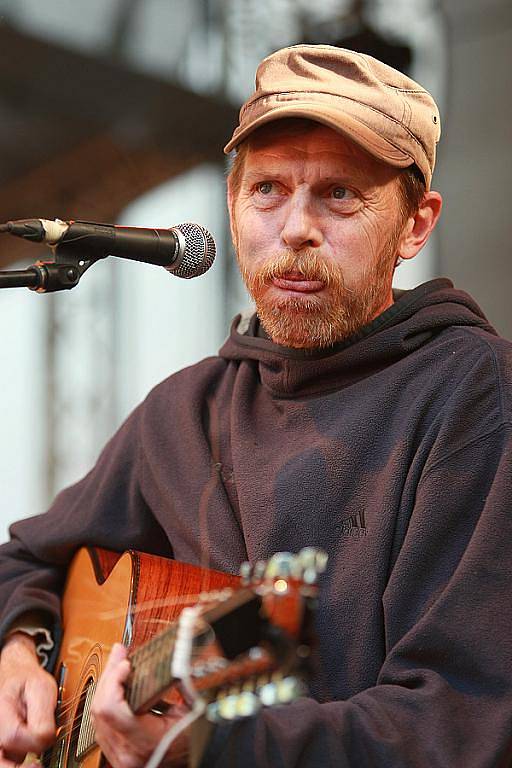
x=324, y=318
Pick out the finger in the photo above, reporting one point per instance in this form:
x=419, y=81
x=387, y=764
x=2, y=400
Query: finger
x=118, y=653
x=117, y=669
x=15, y=738
x=41, y=700
x=6, y=762
x=109, y=705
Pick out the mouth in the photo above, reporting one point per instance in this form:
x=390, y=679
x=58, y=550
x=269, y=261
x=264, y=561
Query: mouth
x=296, y=283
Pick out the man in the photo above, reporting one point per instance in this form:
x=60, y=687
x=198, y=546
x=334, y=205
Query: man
x=374, y=425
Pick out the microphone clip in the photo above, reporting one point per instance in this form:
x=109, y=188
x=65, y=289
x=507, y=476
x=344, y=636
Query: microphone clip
x=59, y=274
x=54, y=276
x=64, y=272
x=48, y=276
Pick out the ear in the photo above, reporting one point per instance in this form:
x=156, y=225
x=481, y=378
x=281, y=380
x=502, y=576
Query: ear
x=419, y=227
x=231, y=210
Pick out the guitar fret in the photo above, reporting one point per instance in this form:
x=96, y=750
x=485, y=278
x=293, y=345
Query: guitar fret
x=151, y=669
x=133, y=690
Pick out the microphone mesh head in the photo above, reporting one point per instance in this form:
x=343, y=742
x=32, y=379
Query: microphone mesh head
x=198, y=254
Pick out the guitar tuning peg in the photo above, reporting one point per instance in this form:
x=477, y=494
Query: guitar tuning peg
x=233, y=706
x=322, y=558
x=212, y=712
x=259, y=570
x=313, y=561
x=268, y=694
x=227, y=707
x=247, y=704
x=245, y=573
x=283, y=565
x=198, y=670
x=288, y=689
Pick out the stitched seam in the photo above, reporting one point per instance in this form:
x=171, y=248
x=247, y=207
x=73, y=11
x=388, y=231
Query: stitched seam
x=348, y=98
x=370, y=70
x=405, y=90
x=498, y=377
x=477, y=439
x=503, y=423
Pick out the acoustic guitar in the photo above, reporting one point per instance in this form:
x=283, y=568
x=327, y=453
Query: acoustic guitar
x=247, y=647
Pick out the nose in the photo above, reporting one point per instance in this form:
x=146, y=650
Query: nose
x=301, y=227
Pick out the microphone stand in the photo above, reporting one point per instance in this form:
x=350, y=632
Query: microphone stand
x=49, y=276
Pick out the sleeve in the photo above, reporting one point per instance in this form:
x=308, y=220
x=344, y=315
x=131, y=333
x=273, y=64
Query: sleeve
x=105, y=509
x=443, y=696
x=33, y=625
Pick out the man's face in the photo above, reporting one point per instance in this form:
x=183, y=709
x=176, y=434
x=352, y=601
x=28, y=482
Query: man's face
x=315, y=226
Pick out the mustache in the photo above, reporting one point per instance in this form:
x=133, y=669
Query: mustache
x=307, y=264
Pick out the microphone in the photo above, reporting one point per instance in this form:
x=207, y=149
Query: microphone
x=186, y=250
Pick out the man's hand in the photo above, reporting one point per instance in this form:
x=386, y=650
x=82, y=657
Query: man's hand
x=128, y=740
x=28, y=695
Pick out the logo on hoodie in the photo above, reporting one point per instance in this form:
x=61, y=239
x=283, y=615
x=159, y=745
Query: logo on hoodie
x=353, y=525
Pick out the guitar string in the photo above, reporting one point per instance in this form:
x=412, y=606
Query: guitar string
x=151, y=654
x=146, y=660
x=76, y=726
x=153, y=658
x=144, y=654
x=140, y=659
x=143, y=657
x=72, y=703
x=74, y=700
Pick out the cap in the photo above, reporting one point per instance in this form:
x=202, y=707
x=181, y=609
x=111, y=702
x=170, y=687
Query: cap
x=379, y=108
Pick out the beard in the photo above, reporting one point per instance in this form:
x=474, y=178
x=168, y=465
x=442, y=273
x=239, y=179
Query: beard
x=319, y=321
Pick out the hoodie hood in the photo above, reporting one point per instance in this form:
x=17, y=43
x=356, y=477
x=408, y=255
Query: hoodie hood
x=414, y=319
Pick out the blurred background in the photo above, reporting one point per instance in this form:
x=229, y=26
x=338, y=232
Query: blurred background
x=117, y=110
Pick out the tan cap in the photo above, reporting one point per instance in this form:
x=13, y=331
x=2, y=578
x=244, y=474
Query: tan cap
x=381, y=109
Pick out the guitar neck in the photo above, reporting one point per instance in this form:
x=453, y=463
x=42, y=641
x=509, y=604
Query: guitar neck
x=151, y=670
x=235, y=623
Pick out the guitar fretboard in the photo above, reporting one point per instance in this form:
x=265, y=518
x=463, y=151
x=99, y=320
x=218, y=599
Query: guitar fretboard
x=151, y=674
x=151, y=669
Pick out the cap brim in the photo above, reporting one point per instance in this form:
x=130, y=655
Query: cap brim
x=339, y=120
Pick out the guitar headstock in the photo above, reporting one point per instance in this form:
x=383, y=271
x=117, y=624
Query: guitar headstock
x=236, y=649
x=266, y=650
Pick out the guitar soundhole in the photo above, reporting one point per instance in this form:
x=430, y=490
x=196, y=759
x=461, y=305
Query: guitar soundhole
x=76, y=731
x=82, y=740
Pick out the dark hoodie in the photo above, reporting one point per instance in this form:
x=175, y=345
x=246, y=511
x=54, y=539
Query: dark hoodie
x=391, y=451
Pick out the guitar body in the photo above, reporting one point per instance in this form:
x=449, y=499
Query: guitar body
x=111, y=598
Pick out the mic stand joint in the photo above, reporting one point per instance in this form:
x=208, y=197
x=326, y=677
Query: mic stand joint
x=49, y=276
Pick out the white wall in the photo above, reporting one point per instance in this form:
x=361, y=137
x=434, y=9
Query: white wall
x=476, y=159
x=22, y=404
x=165, y=323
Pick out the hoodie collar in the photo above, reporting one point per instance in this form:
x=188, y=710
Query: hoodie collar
x=411, y=321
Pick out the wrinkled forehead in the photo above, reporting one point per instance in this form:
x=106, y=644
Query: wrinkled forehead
x=292, y=138
x=287, y=129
